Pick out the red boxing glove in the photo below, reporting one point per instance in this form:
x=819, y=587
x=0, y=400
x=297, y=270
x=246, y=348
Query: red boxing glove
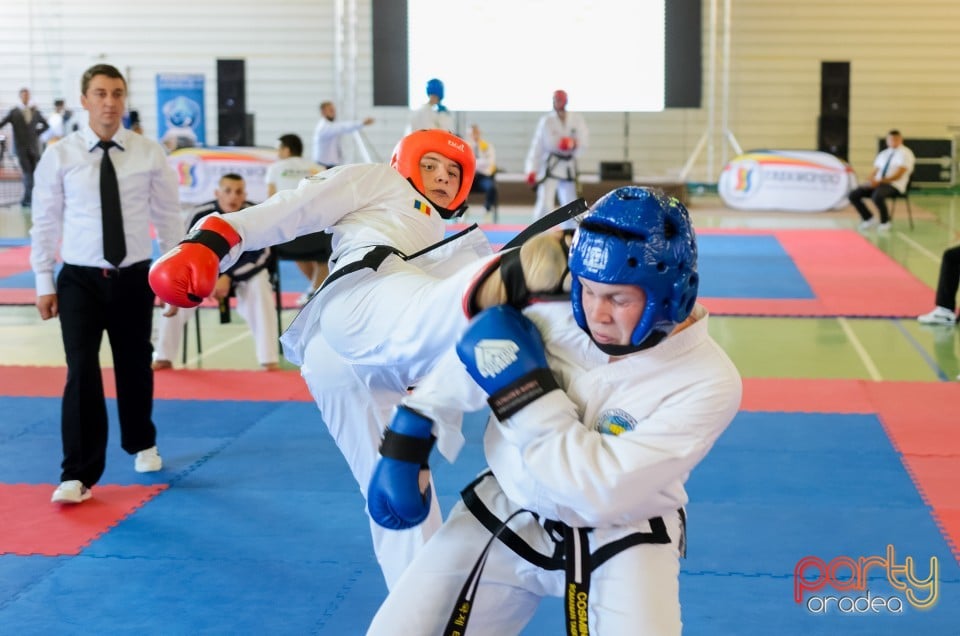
x=187, y=274
x=531, y=178
x=567, y=143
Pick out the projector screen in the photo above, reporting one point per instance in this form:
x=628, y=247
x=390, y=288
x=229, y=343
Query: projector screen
x=510, y=55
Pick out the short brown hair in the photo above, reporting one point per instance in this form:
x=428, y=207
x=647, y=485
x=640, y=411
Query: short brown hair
x=99, y=69
x=293, y=143
x=231, y=176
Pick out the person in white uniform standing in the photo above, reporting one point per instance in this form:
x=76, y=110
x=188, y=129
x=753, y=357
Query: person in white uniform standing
x=433, y=114
x=390, y=306
x=248, y=279
x=601, y=407
x=551, y=165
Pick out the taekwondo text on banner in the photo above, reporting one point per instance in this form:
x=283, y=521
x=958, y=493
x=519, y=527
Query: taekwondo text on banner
x=791, y=180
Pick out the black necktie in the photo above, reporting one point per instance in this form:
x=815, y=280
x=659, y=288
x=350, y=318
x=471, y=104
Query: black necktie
x=883, y=173
x=114, y=245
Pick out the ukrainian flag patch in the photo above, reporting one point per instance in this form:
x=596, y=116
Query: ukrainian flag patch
x=421, y=207
x=615, y=422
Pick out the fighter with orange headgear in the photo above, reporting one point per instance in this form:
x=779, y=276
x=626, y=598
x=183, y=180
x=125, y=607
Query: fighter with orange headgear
x=390, y=306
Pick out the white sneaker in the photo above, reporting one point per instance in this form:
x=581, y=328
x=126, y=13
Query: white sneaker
x=148, y=461
x=72, y=492
x=866, y=225
x=939, y=316
x=885, y=227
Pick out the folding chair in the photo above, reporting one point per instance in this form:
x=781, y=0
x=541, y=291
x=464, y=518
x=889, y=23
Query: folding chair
x=906, y=197
x=273, y=269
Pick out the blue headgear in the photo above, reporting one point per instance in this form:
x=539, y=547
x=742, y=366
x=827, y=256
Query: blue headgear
x=637, y=236
x=435, y=87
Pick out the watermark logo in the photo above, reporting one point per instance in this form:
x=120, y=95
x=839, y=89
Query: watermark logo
x=814, y=580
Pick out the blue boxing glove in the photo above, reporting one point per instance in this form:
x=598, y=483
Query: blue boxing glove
x=393, y=497
x=504, y=353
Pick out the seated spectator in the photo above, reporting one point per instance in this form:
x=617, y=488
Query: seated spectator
x=486, y=168
x=248, y=279
x=311, y=252
x=891, y=174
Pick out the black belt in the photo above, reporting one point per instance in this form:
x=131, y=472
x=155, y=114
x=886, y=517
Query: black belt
x=571, y=554
x=112, y=272
x=379, y=253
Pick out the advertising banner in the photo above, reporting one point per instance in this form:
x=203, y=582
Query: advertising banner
x=180, y=113
x=199, y=170
x=790, y=180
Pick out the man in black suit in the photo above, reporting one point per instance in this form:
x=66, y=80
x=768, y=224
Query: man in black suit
x=28, y=124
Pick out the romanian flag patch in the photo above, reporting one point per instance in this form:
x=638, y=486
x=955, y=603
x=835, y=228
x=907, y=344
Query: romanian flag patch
x=421, y=207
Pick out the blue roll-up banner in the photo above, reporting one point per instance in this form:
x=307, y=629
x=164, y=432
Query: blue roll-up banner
x=180, y=115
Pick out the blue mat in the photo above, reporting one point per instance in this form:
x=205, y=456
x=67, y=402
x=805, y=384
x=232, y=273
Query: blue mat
x=731, y=266
x=752, y=266
x=262, y=528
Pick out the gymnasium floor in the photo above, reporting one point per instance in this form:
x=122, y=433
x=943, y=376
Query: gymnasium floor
x=847, y=448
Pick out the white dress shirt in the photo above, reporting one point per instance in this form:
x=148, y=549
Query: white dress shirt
x=66, y=203
x=889, y=159
x=326, y=140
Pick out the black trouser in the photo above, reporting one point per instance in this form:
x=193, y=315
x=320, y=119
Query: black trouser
x=28, y=163
x=487, y=185
x=949, y=278
x=880, y=194
x=120, y=302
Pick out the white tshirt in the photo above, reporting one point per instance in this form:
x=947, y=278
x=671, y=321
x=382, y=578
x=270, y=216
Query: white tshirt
x=286, y=174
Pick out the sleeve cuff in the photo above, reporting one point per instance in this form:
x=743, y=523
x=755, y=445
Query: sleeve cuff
x=45, y=284
x=553, y=412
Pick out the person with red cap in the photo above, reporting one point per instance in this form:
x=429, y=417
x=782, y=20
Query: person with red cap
x=389, y=308
x=551, y=165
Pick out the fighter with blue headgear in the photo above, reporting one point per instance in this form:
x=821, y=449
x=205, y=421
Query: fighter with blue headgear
x=636, y=236
x=601, y=410
x=435, y=87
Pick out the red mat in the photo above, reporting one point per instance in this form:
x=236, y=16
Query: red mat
x=182, y=384
x=34, y=526
x=14, y=259
x=848, y=275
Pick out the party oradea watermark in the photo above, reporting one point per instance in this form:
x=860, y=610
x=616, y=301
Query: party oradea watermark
x=866, y=585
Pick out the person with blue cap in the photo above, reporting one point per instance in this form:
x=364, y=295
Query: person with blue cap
x=433, y=114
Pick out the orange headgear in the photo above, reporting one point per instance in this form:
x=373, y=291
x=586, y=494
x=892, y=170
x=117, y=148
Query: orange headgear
x=406, y=161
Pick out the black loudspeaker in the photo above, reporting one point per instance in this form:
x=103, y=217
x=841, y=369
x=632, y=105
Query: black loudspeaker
x=833, y=125
x=248, y=129
x=833, y=135
x=835, y=89
x=616, y=171
x=231, y=87
x=232, y=129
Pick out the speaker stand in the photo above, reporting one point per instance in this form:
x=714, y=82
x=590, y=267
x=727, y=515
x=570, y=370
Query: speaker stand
x=706, y=140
